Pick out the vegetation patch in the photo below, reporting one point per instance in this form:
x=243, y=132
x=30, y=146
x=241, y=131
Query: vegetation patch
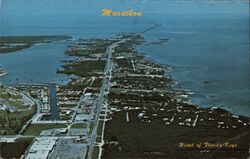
x=100, y=126
x=36, y=129
x=155, y=140
x=15, y=149
x=95, y=153
x=12, y=122
x=84, y=68
x=79, y=125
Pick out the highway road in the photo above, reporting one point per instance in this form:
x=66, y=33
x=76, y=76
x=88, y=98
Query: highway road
x=106, y=82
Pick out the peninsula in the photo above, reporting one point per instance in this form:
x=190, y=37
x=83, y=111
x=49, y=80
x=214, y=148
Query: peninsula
x=15, y=43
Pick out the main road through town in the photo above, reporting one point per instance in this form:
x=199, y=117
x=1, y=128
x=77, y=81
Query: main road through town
x=105, y=84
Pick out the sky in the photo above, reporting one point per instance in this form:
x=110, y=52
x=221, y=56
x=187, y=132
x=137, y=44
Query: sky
x=74, y=7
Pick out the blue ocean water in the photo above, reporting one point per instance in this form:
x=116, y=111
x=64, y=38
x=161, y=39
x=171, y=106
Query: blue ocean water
x=39, y=63
x=212, y=48
x=204, y=47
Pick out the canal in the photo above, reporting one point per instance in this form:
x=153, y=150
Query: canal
x=53, y=103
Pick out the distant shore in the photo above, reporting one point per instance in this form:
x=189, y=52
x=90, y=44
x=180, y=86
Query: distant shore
x=15, y=43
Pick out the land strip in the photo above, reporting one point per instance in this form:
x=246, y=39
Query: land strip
x=15, y=43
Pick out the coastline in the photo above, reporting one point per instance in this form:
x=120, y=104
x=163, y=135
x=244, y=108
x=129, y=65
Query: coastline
x=16, y=43
x=167, y=74
x=139, y=83
x=117, y=96
x=228, y=85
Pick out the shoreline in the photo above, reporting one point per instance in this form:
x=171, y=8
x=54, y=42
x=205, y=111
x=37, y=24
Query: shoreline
x=137, y=83
x=169, y=70
x=128, y=95
x=202, y=96
x=220, y=86
x=10, y=44
x=176, y=110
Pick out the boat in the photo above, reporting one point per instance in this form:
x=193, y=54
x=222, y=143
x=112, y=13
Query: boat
x=2, y=72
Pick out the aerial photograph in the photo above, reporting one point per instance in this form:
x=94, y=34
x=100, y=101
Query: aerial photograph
x=124, y=79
